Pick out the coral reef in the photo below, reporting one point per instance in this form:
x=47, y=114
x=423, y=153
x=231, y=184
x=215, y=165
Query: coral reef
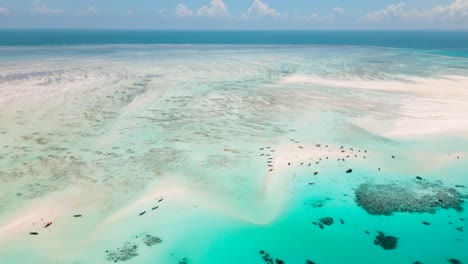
x=413, y=197
x=128, y=251
x=130, y=248
x=268, y=259
x=326, y=221
x=150, y=240
x=386, y=242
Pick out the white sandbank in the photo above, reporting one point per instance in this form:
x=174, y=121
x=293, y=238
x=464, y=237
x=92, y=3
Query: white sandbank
x=427, y=105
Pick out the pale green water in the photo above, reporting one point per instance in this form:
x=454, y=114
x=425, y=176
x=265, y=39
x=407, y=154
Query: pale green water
x=117, y=123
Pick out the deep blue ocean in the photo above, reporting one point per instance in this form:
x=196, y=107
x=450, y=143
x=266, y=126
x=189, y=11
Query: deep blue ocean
x=456, y=41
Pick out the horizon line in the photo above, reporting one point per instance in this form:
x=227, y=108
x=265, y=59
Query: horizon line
x=245, y=30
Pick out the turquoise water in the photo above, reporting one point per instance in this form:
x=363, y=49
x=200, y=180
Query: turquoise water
x=105, y=131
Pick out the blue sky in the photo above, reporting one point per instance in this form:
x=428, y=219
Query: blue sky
x=235, y=14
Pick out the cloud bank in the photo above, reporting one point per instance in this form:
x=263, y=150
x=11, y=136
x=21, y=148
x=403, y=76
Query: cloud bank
x=4, y=11
x=183, y=11
x=261, y=8
x=457, y=11
x=41, y=9
x=216, y=8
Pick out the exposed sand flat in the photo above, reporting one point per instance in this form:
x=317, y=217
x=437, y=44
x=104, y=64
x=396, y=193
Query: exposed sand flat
x=57, y=208
x=428, y=105
x=447, y=85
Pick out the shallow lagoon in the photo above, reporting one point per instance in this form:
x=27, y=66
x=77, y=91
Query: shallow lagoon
x=107, y=131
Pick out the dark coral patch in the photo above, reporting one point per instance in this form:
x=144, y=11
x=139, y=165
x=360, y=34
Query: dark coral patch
x=386, y=242
x=128, y=251
x=413, y=197
x=150, y=240
x=326, y=221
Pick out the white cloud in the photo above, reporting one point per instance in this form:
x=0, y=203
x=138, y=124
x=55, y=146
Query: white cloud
x=4, y=11
x=318, y=18
x=183, y=11
x=42, y=9
x=457, y=10
x=330, y=18
x=391, y=11
x=216, y=8
x=260, y=8
x=338, y=10
x=90, y=11
x=314, y=16
x=163, y=12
